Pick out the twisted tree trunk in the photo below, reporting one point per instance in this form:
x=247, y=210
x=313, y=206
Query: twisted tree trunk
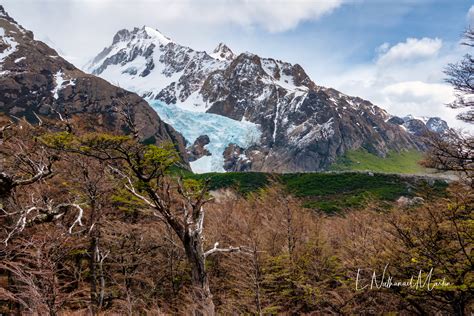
x=200, y=282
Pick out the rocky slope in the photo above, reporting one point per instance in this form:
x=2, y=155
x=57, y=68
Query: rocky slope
x=35, y=81
x=304, y=127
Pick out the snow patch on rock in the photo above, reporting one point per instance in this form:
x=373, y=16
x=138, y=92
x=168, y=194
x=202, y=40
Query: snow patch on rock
x=308, y=132
x=61, y=83
x=11, y=46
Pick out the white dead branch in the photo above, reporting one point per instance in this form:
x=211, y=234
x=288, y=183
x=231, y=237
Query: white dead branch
x=36, y=214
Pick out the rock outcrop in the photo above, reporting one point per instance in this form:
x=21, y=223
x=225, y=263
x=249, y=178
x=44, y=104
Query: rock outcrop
x=235, y=159
x=421, y=126
x=198, y=150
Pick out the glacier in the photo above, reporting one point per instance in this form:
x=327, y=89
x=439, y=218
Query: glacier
x=221, y=131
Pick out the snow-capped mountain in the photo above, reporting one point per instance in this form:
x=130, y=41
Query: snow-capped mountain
x=36, y=83
x=420, y=125
x=302, y=126
x=152, y=65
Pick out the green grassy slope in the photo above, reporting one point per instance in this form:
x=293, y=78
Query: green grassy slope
x=328, y=192
x=406, y=162
x=242, y=182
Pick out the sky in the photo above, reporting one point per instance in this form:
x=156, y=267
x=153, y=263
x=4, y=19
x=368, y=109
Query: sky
x=391, y=53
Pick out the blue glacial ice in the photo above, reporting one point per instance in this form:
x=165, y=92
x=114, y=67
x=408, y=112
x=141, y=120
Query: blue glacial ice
x=221, y=131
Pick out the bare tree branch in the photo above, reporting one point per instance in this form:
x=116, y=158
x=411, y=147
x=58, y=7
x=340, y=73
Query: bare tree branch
x=216, y=249
x=45, y=214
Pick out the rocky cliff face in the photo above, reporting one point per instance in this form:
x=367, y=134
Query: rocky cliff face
x=304, y=127
x=35, y=81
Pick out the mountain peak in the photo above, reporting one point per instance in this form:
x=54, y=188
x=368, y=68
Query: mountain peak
x=144, y=32
x=6, y=18
x=121, y=35
x=3, y=13
x=221, y=47
x=419, y=125
x=223, y=52
x=156, y=34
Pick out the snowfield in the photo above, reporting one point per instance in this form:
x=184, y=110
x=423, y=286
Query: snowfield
x=221, y=131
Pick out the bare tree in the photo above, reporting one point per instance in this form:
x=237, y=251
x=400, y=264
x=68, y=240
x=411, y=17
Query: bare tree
x=38, y=281
x=186, y=218
x=42, y=212
x=461, y=77
x=26, y=163
x=454, y=150
x=144, y=170
x=31, y=164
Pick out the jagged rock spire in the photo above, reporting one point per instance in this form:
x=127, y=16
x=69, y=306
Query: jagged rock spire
x=223, y=52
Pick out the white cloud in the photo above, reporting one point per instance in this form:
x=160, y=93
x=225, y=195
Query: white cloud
x=382, y=49
x=470, y=16
x=276, y=15
x=200, y=24
x=418, y=91
x=420, y=98
x=272, y=15
x=408, y=81
x=411, y=49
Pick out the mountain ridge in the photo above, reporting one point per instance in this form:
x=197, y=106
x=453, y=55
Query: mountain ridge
x=304, y=126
